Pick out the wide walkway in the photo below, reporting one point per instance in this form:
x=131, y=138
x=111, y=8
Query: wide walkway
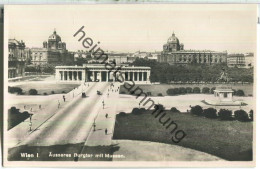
x=53, y=121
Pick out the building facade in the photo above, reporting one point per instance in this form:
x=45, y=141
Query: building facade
x=16, y=58
x=99, y=73
x=236, y=60
x=53, y=52
x=174, y=53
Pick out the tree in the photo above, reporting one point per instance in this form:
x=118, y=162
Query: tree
x=182, y=90
x=205, y=90
x=210, y=113
x=33, y=92
x=241, y=115
x=197, y=110
x=212, y=90
x=225, y=114
x=188, y=89
x=240, y=93
x=196, y=90
x=174, y=109
x=251, y=115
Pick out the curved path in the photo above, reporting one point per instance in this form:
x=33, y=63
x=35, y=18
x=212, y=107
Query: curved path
x=131, y=150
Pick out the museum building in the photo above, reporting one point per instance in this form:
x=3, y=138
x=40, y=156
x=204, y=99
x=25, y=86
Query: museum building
x=174, y=53
x=53, y=52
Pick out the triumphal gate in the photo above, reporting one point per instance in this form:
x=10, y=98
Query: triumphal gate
x=99, y=73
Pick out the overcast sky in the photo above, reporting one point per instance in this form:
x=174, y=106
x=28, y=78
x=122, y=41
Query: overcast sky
x=130, y=28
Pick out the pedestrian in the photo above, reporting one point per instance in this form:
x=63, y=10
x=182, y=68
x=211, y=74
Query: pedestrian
x=106, y=131
x=40, y=107
x=64, y=99
x=31, y=109
x=58, y=104
x=24, y=107
x=106, y=115
x=94, y=127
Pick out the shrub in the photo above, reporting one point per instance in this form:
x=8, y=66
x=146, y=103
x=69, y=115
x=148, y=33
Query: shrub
x=234, y=92
x=205, y=90
x=122, y=114
x=212, y=90
x=160, y=94
x=251, y=115
x=33, y=92
x=188, y=89
x=197, y=110
x=210, y=113
x=225, y=114
x=182, y=90
x=122, y=92
x=52, y=92
x=136, y=111
x=142, y=110
x=63, y=91
x=173, y=109
x=196, y=90
x=159, y=107
x=45, y=93
x=240, y=93
x=17, y=90
x=241, y=115
x=173, y=91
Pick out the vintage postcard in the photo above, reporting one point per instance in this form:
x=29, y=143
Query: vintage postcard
x=151, y=85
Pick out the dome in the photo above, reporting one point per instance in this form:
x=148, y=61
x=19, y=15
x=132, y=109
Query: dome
x=54, y=37
x=173, y=39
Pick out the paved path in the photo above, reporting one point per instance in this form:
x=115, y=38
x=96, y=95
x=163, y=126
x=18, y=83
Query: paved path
x=69, y=124
x=132, y=150
x=99, y=137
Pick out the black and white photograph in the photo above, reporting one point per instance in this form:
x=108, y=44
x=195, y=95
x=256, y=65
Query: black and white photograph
x=159, y=85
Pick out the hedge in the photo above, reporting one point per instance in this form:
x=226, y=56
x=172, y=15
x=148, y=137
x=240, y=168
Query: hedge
x=205, y=90
x=17, y=90
x=240, y=93
x=196, y=90
x=210, y=113
x=225, y=114
x=241, y=115
x=173, y=109
x=197, y=110
x=33, y=92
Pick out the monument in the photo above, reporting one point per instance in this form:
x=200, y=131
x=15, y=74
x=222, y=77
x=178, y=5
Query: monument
x=224, y=93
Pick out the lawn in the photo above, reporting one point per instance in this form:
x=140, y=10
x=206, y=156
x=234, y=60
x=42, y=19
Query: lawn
x=47, y=87
x=230, y=140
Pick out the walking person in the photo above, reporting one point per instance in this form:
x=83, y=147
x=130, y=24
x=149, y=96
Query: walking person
x=58, y=104
x=40, y=107
x=106, y=115
x=106, y=131
x=64, y=99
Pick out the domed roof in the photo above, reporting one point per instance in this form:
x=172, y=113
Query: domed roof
x=173, y=39
x=54, y=37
